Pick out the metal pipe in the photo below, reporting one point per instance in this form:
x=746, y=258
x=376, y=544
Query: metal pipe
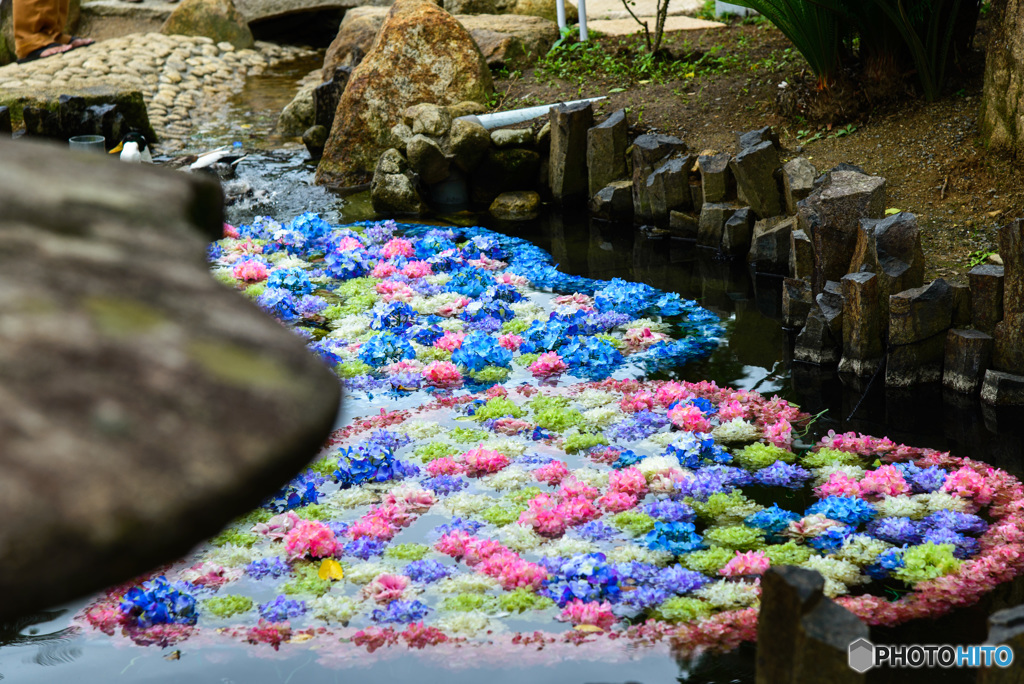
x=560, y=11
x=514, y=116
x=582, y=6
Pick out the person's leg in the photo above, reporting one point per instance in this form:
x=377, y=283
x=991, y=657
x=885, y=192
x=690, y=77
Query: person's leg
x=36, y=26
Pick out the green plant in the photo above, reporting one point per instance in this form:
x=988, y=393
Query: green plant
x=660, y=13
x=980, y=256
x=844, y=131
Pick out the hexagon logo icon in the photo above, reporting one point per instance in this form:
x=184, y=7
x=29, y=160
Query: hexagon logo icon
x=862, y=655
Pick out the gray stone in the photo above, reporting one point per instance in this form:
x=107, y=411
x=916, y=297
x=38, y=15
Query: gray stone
x=754, y=138
x=968, y=356
x=717, y=180
x=712, y=223
x=830, y=301
x=647, y=151
x=796, y=302
x=510, y=41
x=801, y=256
x=218, y=20
x=696, y=193
x=797, y=181
x=606, y=151
x=862, y=326
x=567, y=170
x=512, y=137
x=400, y=136
x=891, y=248
x=770, y=245
x=6, y=129
x=1005, y=628
x=358, y=29
x=788, y=593
x=1011, y=249
x=314, y=138
x=1003, y=389
x=961, y=317
x=668, y=188
x=428, y=119
x=918, y=321
x=259, y=10
x=470, y=6
x=297, y=115
x=824, y=179
x=986, y=283
x=1009, y=352
x=838, y=207
x=395, y=193
x=468, y=142
x=815, y=343
x=614, y=201
x=143, y=405
x=521, y=205
x=736, y=234
x=327, y=95
x=755, y=171
x=684, y=224
x=823, y=645
x=426, y=158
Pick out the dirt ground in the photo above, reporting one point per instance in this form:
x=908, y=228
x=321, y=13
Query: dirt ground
x=930, y=153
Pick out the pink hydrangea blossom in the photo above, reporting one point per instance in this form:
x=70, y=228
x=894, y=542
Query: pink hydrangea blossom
x=511, y=426
x=730, y=410
x=418, y=636
x=510, y=342
x=511, y=279
x=689, y=417
x=250, y=271
x=628, y=481
x=968, y=484
x=576, y=300
x=453, y=308
x=278, y=526
x=309, y=538
x=414, y=500
x=210, y=575
x=230, y=231
x=572, y=488
x=641, y=401
x=385, y=588
x=838, y=484
x=443, y=374
x=403, y=366
x=885, y=481
x=445, y=466
x=667, y=481
x=616, y=502
x=547, y=365
x=348, y=242
x=671, y=392
x=482, y=461
x=397, y=247
x=749, y=563
x=384, y=269
x=487, y=263
x=582, y=613
x=779, y=433
x=389, y=291
x=551, y=473
x=638, y=339
x=450, y=341
x=417, y=269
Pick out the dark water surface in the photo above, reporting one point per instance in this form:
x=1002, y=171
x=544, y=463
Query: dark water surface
x=756, y=355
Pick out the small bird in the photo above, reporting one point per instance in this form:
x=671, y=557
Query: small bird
x=134, y=149
x=222, y=161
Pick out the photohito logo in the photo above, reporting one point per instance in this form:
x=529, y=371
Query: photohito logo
x=864, y=655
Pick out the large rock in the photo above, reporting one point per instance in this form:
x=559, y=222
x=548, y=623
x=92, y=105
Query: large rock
x=770, y=245
x=426, y=159
x=521, y=205
x=787, y=594
x=918, y=321
x=986, y=282
x=298, y=115
x=509, y=40
x=356, y=34
x=218, y=20
x=614, y=201
x=468, y=142
x=862, y=326
x=647, y=152
x=394, y=189
x=474, y=6
x=797, y=181
x=831, y=217
x=567, y=173
x=422, y=54
x=717, y=183
x=606, y=151
x=143, y=405
x=546, y=9
x=668, y=188
x=258, y=10
x=968, y=356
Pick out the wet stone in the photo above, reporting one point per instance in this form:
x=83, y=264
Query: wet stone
x=395, y=193
x=428, y=119
x=512, y=137
x=668, y=189
x=830, y=301
x=468, y=142
x=736, y=234
x=797, y=181
x=755, y=171
x=1003, y=389
x=801, y=256
x=327, y=95
x=515, y=206
x=712, y=223
x=918, y=320
x=788, y=593
x=986, y=283
x=646, y=153
x=606, y=151
x=1009, y=353
x=961, y=315
x=796, y=302
x=717, y=180
x=968, y=356
x=314, y=138
x=567, y=169
x=823, y=645
x=426, y=158
x=838, y=207
x=815, y=343
x=696, y=193
x=614, y=201
x=1011, y=249
x=684, y=224
x=770, y=245
x=862, y=329
x=891, y=248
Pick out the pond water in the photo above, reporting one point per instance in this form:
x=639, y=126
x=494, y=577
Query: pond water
x=756, y=355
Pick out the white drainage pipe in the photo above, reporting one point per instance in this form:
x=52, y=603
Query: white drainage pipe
x=514, y=116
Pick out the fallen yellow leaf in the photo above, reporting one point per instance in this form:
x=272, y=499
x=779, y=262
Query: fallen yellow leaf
x=588, y=628
x=331, y=569
x=299, y=638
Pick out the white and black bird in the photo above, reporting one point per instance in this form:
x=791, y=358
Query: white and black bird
x=134, y=148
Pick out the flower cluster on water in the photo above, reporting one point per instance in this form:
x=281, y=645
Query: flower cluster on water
x=616, y=508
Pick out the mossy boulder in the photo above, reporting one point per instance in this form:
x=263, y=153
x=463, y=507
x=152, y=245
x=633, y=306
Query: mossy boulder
x=422, y=54
x=215, y=19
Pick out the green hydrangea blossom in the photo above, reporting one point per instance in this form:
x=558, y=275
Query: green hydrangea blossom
x=525, y=360
x=498, y=407
x=583, y=440
x=789, y=553
x=351, y=369
x=521, y=496
x=757, y=456
x=407, y=552
x=236, y=537
x=434, y=450
x=718, y=505
x=428, y=354
x=683, y=609
x=307, y=581
x=468, y=435
x=516, y=326
x=736, y=537
x=501, y=515
x=927, y=561
x=227, y=605
x=490, y=374
x=830, y=457
x=313, y=512
x=633, y=523
x=466, y=602
x=255, y=290
x=708, y=561
x=522, y=600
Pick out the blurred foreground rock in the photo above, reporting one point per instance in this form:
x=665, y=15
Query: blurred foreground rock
x=142, y=404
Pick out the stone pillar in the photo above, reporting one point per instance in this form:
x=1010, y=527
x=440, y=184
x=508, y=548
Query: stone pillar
x=606, y=151
x=647, y=152
x=718, y=185
x=918, y=320
x=986, y=296
x=755, y=171
x=770, y=244
x=862, y=328
x=1005, y=627
x=797, y=182
x=891, y=248
x=823, y=645
x=968, y=355
x=568, y=163
x=712, y=223
x=796, y=302
x=801, y=256
x=736, y=233
x=788, y=593
x=1009, y=352
x=668, y=188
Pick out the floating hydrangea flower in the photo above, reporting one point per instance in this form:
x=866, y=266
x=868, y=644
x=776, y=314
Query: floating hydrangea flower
x=845, y=509
x=158, y=602
x=281, y=609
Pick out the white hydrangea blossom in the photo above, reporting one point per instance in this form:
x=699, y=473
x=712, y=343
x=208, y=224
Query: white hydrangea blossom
x=566, y=547
x=234, y=556
x=659, y=440
x=504, y=445
x=822, y=474
x=861, y=549
x=656, y=464
x=736, y=431
x=438, y=278
x=902, y=506
x=467, y=623
x=353, y=497
x=433, y=303
x=335, y=608
x=511, y=478
x=650, y=323
x=635, y=552
x=363, y=573
x=603, y=416
x=591, y=476
x=838, y=574
x=468, y=583
x=727, y=595
x=420, y=429
x=527, y=310
x=937, y=501
x=519, y=537
x=593, y=398
x=463, y=503
x=353, y=327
